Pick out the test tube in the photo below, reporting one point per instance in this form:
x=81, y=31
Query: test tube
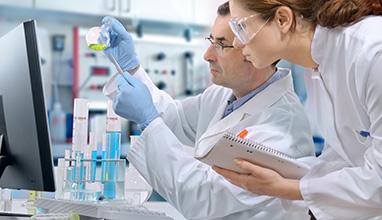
x=80, y=124
x=60, y=178
x=93, y=156
x=104, y=159
x=68, y=154
x=113, y=142
x=68, y=165
x=69, y=178
x=88, y=163
x=80, y=139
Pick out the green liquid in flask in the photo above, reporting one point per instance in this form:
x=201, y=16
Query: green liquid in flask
x=98, y=47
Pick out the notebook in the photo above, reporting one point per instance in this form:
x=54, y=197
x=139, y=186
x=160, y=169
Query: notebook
x=230, y=147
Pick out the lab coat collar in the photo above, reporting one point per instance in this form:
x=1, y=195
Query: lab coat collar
x=258, y=103
x=318, y=47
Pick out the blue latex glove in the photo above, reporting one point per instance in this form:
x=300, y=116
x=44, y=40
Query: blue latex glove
x=134, y=101
x=121, y=44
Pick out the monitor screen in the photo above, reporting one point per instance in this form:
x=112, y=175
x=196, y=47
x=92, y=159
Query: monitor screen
x=26, y=159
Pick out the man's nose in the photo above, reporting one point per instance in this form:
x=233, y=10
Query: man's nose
x=210, y=54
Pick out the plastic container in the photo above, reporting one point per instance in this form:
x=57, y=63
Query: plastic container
x=111, y=88
x=58, y=124
x=137, y=189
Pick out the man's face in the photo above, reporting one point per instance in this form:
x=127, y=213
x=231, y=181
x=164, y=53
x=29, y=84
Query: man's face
x=228, y=68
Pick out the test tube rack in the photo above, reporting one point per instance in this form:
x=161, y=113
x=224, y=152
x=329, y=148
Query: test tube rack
x=77, y=182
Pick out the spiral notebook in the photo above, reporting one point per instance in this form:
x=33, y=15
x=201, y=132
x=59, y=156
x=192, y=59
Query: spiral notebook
x=230, y=147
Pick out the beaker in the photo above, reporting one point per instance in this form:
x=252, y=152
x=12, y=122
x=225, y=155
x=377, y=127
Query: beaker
x=98, y=38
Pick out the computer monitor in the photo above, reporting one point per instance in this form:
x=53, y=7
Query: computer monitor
x=25, y=153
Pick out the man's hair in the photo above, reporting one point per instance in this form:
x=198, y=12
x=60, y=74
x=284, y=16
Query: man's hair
x=223, y=9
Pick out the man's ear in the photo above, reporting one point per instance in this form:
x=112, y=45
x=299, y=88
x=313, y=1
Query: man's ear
x=284, y=19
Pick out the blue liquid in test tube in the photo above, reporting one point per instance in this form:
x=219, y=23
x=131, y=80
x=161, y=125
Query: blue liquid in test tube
x=93, y=168
x=80, y=137
x=93, y=156
x=113, y=142
x=112, y=153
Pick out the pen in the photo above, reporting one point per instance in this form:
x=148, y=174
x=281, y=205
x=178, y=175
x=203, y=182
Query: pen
x=243, y=133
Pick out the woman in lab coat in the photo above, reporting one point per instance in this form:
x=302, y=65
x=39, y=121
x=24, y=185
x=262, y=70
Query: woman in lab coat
x=341, y=41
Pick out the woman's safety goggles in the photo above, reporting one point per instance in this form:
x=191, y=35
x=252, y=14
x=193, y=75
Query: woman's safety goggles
x=240, y=26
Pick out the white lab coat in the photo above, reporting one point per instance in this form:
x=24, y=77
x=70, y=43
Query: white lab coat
x=277, y=119
x=346, y=95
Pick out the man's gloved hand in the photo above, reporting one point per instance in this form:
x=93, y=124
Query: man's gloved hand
x=121, y=44
x=134, y=101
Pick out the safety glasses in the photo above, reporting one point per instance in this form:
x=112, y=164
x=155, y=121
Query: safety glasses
x=239, y=26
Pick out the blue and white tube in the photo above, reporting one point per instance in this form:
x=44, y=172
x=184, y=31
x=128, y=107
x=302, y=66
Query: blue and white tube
x=80, y=140
x=113, y=153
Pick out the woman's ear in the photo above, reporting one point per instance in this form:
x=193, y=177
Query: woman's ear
x=284, y=19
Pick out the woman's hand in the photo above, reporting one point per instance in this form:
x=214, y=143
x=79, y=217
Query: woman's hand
x=262, y=181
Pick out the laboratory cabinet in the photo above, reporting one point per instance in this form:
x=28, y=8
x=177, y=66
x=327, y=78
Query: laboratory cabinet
x=17, y=3
x=205, y=11
x=179, y=11
x=199, y=12
x=91, y=7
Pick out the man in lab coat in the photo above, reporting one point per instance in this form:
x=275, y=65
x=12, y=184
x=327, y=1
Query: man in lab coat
x=263, y=101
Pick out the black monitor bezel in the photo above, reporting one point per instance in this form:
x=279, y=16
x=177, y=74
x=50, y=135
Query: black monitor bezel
x=39, y=105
